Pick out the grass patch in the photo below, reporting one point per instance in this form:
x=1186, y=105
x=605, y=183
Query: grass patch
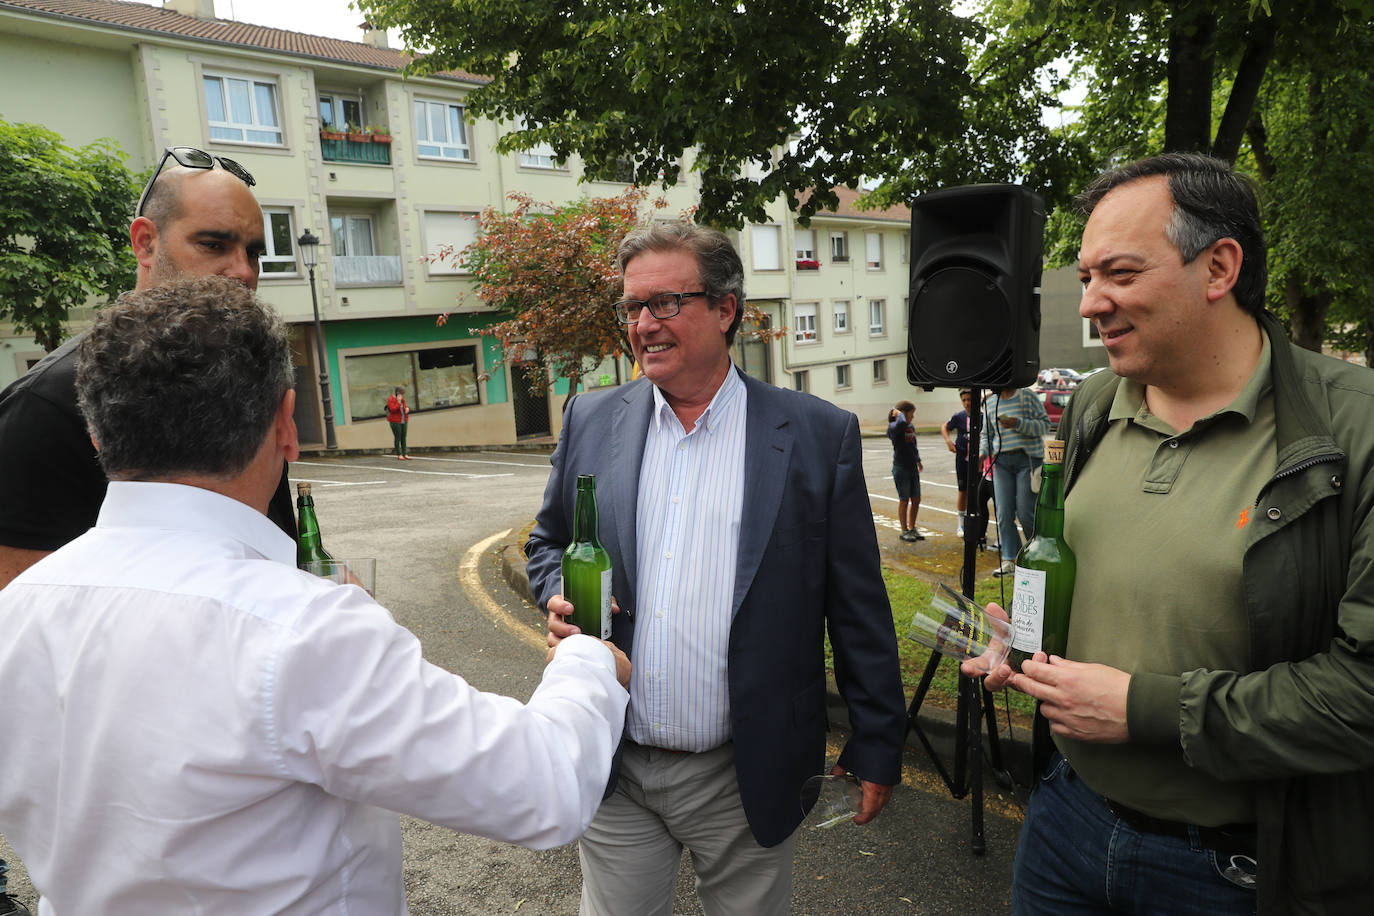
x=906, y=592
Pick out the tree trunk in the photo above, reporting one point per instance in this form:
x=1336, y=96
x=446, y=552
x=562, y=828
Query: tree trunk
x=1188, y=112
x=1308, y=314
x=1245, y=89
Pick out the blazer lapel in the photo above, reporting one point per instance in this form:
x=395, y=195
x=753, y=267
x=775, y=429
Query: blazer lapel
x=767, y=451
x=625, y=448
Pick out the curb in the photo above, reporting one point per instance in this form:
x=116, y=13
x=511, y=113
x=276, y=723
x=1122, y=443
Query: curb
x=939, y=725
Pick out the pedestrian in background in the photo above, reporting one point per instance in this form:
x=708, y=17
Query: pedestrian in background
x=959, y=446
x=906, y=467
x=1014, y=438
x=398, y=415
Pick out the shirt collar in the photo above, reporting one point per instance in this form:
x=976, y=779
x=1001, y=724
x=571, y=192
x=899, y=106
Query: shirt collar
x=179, y=507
x=725, y=395
x=1129, y=402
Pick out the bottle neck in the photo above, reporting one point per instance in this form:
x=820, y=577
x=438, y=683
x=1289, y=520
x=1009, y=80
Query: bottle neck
x=309, y=527
x=1049, y=511
x=584, y=518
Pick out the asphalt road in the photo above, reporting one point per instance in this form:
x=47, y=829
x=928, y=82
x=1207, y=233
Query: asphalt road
x=437, y=524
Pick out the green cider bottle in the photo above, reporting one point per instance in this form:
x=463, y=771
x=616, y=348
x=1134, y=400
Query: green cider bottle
x=309, y=550
x=1045, y=568
x=587, y=567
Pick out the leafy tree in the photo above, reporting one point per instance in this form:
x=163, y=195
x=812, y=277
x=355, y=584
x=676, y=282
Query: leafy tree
x=64, y=218
x=550, y=269
x=822, y=92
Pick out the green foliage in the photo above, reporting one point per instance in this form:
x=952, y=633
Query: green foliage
x=921, y=95
x=64, y=227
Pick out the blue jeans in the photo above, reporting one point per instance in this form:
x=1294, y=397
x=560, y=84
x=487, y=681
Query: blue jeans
x=1076, y=857
x=1011, y=489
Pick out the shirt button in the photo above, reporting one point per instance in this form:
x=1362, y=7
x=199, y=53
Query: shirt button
x=1173, y=443
x=676, y=500
x=1274, y=514
x=659, y=613
x=682, y=446
x=668, y=555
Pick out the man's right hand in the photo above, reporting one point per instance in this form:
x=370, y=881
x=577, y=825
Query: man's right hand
x=559, y=628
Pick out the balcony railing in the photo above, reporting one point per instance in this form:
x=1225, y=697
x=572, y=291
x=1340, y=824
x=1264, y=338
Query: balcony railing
x=374, y=270
x=346, y=150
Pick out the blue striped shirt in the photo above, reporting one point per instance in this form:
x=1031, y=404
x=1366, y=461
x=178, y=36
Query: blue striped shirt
x=1032, y=424
x=691, y=501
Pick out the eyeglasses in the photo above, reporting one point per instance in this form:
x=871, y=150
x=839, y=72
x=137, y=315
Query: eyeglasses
x=661, y=306
x=193, y=158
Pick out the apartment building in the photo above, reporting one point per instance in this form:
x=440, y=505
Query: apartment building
x=386, y=172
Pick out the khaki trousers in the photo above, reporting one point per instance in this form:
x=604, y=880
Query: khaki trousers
x=663, y=802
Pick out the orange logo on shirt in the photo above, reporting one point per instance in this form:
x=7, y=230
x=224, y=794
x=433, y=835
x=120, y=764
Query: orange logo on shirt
x=1244, y=518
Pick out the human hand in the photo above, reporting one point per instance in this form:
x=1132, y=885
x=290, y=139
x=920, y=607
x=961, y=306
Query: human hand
x=622, y=663
x=876, y=796
x=950, y=445
x=1083, y=701
x=1006, y=422
x=559, y=628
x=920, y=467
x=998, y=677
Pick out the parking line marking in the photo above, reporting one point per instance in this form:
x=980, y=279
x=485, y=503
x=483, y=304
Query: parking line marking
x=391, y=470
x=471, y=582
x=507, y=464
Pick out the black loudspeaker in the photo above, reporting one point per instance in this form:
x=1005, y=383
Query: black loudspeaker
x=975, y=287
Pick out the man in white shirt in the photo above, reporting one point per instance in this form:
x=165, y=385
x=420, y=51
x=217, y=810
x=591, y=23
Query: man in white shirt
x=194, y=724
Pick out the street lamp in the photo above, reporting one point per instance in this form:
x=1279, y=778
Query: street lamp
x=310, y=256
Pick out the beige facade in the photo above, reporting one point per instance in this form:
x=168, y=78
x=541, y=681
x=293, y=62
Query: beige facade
x=151, y=78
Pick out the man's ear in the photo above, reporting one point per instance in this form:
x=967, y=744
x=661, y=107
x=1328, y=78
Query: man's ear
x=143, y=237
x=284, y=426
x=727, y=315
x=1223, y=267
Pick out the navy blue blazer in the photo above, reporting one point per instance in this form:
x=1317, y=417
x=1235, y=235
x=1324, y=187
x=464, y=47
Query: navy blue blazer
x=808, y=560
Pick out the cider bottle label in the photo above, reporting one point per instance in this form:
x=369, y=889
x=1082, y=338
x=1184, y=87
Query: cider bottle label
x=1028, y=610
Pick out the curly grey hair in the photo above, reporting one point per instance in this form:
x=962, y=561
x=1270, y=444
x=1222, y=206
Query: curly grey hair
x=183, y=378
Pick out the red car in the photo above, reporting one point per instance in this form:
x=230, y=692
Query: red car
x=1056, y=399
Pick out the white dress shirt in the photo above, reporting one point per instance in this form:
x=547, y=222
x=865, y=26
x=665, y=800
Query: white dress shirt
x=192, y=725
x=691, y=501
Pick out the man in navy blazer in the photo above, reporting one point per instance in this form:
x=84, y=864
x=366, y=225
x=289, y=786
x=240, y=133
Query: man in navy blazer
x=738, y=522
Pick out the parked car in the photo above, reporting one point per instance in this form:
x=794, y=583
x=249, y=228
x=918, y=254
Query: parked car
x=1059, y=378
x=1055, y=399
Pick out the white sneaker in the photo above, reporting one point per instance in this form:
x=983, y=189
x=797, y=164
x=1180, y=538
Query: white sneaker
x=959, y=532
x=1006, y=569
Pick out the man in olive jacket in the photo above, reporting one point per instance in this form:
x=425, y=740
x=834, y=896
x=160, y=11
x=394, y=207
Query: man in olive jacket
x=1214, y=730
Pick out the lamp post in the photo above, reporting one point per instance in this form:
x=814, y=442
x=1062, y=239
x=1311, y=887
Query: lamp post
x=310, y=256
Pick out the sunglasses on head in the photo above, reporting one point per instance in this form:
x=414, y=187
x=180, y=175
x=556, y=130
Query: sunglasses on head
x=193, y=158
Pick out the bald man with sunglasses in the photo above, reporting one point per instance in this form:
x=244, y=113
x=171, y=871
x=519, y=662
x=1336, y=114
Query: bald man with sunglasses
x=197, y=217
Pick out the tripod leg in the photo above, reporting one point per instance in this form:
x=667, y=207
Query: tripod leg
x=973, y=689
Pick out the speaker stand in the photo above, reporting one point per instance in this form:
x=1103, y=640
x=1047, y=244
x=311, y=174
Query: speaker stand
x=975, y=702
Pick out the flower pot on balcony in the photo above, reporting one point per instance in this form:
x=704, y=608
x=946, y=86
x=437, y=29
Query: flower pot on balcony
x=360, y=137
x=381, y=138
x=332, y=135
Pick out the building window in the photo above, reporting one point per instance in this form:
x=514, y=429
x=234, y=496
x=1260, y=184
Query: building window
x=448, y=234
x=242, y=110
x=441, y=132
x=905, y=253
x=839, y=246
x=767, y=245
x=539, y=156
x=876, y=308
x=873, y=245
x=433, y=379
x=841, y=316
x=340, y=111
x=801, y=380
x=879, y=371
x=842, y=376
x=804, y=245
x=352, y=236
x=280, y=256
x=804, y=323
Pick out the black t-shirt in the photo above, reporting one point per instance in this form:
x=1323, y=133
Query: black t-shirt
x=51, y=484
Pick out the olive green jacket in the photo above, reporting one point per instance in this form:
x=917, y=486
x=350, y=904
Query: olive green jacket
x=1299, y=724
